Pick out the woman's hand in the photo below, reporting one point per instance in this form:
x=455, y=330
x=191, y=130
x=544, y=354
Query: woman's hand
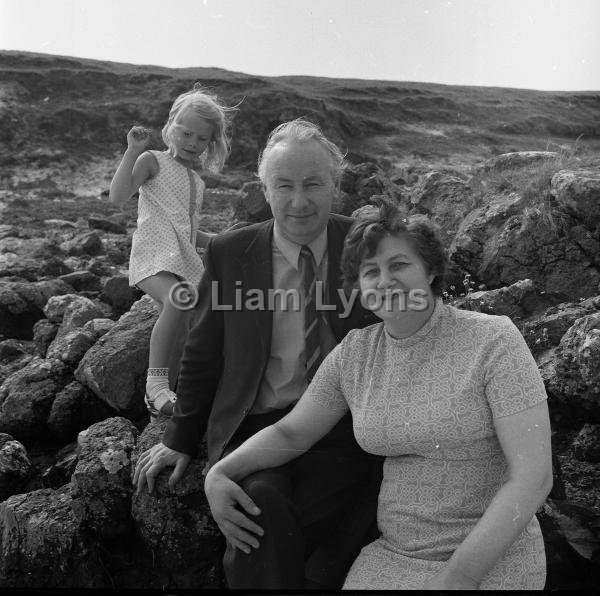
x=138, y=139
x=448, y=580
x=225, y=499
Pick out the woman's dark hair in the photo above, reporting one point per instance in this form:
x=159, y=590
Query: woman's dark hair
x=385, y=219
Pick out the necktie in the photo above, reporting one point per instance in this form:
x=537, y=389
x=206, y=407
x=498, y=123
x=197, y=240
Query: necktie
x=312, y=342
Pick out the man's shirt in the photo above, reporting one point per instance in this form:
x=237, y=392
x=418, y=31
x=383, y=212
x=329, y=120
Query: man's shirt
x=284, y=380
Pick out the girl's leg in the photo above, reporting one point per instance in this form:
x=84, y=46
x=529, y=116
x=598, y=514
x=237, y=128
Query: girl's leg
x=170, y=324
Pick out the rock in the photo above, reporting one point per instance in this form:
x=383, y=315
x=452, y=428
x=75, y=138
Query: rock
x=41, y=545
x=516, y=159
x=101, y=483
x=30, y=258
x=11, y=349
x=250, y=204
x=119, y=294
x=176, y=526
x=82, y=281
x=106, y=225
x=71, y=346
x=59, y=473
x=581, y=480
x=569, y=544
x=586, y=446
x=21, y=305
x=60, y=223
x=547, y=329
x=76, y=312
x=74, y=409
x=44, y=331
x=514, y=301
x=26, y=397
x=99, y=327
x=15, y=467
x=444, y=199
x=506, y=239
x=579, y=192
x=575, y=384
x=115, y=367
x=88, y=243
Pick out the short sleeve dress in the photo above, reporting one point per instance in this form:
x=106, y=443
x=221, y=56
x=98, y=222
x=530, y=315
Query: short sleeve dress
x=168, y=210
x=427, y=403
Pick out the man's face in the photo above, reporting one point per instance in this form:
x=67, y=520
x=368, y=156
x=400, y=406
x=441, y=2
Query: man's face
x=300, y=188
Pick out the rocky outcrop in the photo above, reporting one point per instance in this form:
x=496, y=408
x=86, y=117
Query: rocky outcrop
x=574, y=380
x=101, y=483
x=114, y=367
x=26, y=398
x=41, y=545
x=176, y=526
x=119, y=294
x=21, y=305
x=516, y=159
x=15, y=466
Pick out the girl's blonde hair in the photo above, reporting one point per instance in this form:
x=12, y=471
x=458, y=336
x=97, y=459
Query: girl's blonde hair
x=207, y=106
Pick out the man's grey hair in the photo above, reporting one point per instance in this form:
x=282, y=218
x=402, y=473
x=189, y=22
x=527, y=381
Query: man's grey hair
x=302, y=130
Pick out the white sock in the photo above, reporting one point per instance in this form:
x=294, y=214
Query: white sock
x=156, y=382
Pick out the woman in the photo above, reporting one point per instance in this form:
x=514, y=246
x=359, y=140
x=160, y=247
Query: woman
x=454, y=401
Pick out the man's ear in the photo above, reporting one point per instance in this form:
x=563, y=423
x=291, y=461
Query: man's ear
x=266, y=193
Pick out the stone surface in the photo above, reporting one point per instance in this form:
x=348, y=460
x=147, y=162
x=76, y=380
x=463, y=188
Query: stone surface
x=99, y=327
x=101, y=483
x=516, y=159
x=114, y=367
x=71, y=346
x=21, y=305
x=15, y=467
x=574, y=385
x=74, y=409
x=119, y=294
x=41, y=545
x=586, y=445
x=88, y=243
x=26, y=398
x=579, y=192
x=107, y=225
x=82, y=280
x=44, y=331
x=177, y=526
x=250, y=203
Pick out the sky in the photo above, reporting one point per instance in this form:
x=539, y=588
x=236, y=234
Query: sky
x=534, y=44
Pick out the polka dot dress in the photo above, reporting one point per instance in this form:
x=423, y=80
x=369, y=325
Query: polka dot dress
x=166, y=226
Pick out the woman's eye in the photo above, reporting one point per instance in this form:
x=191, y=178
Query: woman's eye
x=398, y=265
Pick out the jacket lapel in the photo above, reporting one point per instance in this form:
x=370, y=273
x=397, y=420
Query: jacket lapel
x=257, y=271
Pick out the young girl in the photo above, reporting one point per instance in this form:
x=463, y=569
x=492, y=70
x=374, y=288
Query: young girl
x=163, y=252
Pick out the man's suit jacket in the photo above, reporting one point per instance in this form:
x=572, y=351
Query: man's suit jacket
x=227, y=352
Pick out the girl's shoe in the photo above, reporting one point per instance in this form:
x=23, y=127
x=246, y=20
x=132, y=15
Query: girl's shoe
x=161, y=404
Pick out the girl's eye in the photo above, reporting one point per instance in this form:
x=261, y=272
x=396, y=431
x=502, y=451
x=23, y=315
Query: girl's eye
x=369, y=272
x=398, y=265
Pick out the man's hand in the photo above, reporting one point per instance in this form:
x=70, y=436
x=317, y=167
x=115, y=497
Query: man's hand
x=152, y=461
x=223, y=495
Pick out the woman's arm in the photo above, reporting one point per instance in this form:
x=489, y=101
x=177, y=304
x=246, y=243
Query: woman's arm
x=273, y=446
x=135, y=168
x=525, y=441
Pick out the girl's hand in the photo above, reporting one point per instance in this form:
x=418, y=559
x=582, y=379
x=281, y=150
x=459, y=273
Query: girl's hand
x=138, y=139
x=227, y=501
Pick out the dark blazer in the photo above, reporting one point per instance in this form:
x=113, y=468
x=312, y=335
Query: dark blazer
x=227, y=352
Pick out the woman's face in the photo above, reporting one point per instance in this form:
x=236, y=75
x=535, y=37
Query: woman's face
x=395, y=282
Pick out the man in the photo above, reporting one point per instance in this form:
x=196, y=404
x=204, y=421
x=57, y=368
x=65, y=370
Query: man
x=246, y=363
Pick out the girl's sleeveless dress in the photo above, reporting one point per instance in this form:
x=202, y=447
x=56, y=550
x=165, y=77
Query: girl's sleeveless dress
x=168, y=210
x=428, y=403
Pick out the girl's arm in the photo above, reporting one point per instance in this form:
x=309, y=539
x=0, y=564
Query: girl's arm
x=525, y=441
x=135, y=168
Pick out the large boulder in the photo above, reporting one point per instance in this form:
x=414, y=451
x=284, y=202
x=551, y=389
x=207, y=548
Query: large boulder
x=21, y=305
x=574, y=381
x=71, y=346
x=101, y=483
x=177, y=526
x=75, y=408
x=41, y=545
x=579, y=192
x=119, y=294
x=517, y=159
x=15, y=466
x=114, y=367
x=250, y=203
x=26, y=398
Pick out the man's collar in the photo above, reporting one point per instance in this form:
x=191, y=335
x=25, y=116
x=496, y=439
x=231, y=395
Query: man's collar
x=291, y=250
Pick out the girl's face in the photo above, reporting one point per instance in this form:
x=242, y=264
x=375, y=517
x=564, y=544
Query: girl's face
x=190, y=134
x=395, y=282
